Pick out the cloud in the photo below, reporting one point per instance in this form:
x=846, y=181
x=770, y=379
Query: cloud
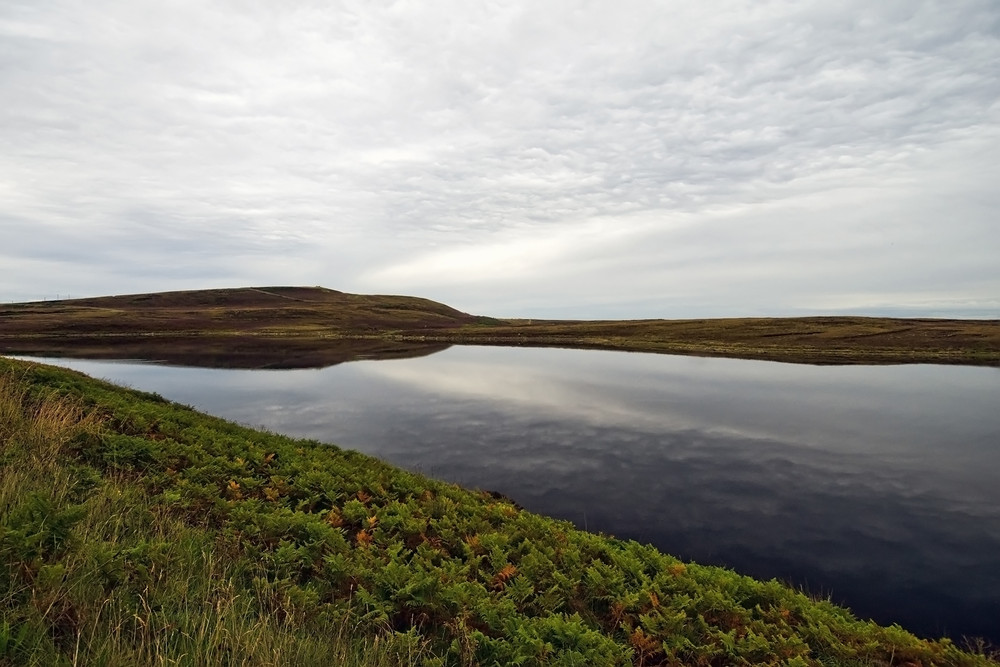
x=610, y=152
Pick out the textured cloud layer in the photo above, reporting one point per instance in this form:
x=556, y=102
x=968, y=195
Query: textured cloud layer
x=584, y=159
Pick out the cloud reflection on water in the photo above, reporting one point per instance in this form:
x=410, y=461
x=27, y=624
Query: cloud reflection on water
x=876, y=485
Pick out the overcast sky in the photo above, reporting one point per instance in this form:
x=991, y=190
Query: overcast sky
x=570, y=159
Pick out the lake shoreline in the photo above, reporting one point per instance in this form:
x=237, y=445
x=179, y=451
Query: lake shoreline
x=326, y=536
x=327, y=349
x=309, y=320
x=816, y=475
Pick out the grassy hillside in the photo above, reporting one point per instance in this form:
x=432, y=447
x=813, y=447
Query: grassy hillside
x=264, y=310
x=137, y=531
x=310, y=326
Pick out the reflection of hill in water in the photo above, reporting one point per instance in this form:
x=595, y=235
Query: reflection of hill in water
x=225, y=351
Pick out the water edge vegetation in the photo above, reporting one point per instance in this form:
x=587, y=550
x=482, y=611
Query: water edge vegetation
x=136, y=530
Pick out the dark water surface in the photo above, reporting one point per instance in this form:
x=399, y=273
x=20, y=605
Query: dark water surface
x=876, y=485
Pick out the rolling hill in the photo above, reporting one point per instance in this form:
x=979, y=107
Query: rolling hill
x=314, y=326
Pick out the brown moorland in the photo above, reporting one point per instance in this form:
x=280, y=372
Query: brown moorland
x=313, y=326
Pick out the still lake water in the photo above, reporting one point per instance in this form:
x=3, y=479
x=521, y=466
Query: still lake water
x=878, y=486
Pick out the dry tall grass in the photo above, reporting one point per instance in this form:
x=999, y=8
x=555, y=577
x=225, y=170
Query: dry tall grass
x=93, y=572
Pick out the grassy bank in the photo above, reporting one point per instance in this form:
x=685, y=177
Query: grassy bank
x=294, y=326
x=137, y=531
x=96, y=570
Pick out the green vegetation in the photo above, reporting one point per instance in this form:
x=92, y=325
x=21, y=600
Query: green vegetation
x=311, y=326
x=137, y=531
x=96, y=569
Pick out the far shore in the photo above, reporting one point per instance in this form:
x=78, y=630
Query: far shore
x=312, y=326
